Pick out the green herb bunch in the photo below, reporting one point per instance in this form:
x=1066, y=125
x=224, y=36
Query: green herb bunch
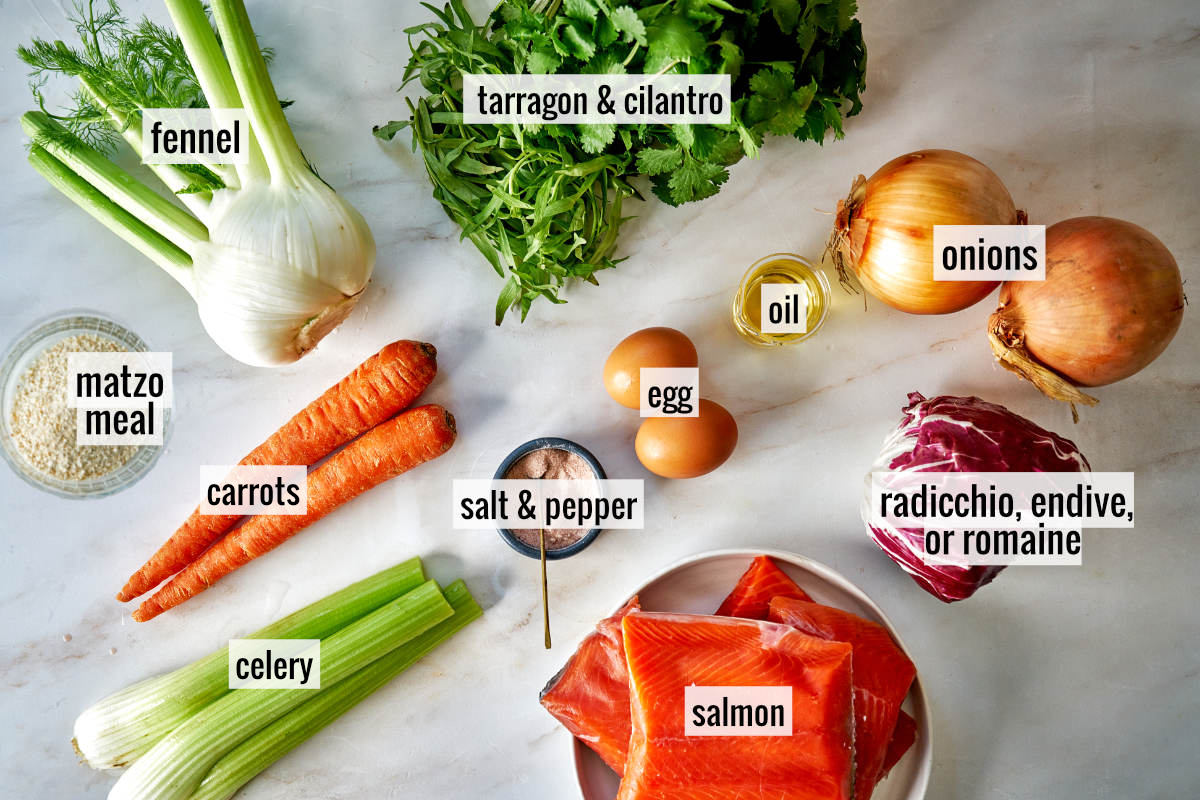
x=543, y=202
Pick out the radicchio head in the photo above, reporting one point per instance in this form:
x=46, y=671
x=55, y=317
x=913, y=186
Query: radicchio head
x=960, y=434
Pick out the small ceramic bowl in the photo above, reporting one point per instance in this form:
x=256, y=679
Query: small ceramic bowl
x=28, y=346
x=549, y=443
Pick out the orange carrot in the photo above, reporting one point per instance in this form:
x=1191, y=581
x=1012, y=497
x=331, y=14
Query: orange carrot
x=377, y=388
x=387, y=450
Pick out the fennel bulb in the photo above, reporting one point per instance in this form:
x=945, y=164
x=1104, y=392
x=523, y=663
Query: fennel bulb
x=274, y=258
x=283, y=266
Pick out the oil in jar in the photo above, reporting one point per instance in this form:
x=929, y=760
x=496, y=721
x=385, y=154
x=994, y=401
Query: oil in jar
x=780, y=268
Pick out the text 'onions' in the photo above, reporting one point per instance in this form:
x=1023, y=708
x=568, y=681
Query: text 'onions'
x=884, y=228
x=1111, y=303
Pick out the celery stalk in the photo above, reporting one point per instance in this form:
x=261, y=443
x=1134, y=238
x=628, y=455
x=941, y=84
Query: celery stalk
x=124, y=726
x=271, y=743
x=174, y=768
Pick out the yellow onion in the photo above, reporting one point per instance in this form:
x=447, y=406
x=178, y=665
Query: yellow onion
x=1111, y=303
x=884, y=228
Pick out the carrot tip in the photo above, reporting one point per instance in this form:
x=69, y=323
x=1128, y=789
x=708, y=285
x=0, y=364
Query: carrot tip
x=429, y=349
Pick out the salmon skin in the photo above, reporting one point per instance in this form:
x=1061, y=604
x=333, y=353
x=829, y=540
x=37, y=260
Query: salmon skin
x=590, y=695
x=667, y=652
x=882, y=677
x=754, y=590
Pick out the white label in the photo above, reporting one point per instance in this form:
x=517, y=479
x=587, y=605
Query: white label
x=989, y=252
x=1002, y=518
x=914, y=499
x=264, y=489
x=274, y=663
x=209, y=136
x=784, y=308
x=119, y=398
x=737, y=710
x=596, y=99
x=112, y=380
x=559, y=503
x=1003, y=546
x=112, y=427
x=670, y=391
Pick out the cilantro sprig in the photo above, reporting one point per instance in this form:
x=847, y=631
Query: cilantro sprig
x=543, y=202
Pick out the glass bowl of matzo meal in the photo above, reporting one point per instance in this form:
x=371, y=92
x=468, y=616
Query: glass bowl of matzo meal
x=38, y=428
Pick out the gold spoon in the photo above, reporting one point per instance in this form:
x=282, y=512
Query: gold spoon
x=545, y=599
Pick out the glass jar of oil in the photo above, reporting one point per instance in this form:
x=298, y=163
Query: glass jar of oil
x=779, y=268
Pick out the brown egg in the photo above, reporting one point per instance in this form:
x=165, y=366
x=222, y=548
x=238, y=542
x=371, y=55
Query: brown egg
x=686, y=447
x=649, y=347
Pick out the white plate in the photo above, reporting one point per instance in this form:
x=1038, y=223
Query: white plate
x=698, y=584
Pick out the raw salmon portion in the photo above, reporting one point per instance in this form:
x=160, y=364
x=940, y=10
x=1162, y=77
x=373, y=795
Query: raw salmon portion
x=754, y=590
x=590, y=695
x=882, y=675
x=902, y=739
x=762, y=582
x=667, y=652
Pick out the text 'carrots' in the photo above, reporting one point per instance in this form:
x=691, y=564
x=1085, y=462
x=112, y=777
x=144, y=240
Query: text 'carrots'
x=387, y=450
x=376, y=390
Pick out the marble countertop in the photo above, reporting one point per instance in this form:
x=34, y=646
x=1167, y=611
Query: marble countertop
x=1052, y=682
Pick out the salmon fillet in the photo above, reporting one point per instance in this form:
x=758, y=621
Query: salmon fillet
x=882, y=677
x=590, y=695
x=667, y=652
x=902, y=738
x=754, y=590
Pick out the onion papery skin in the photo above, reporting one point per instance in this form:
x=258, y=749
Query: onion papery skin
x=1111, y=302
x=884, y=229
